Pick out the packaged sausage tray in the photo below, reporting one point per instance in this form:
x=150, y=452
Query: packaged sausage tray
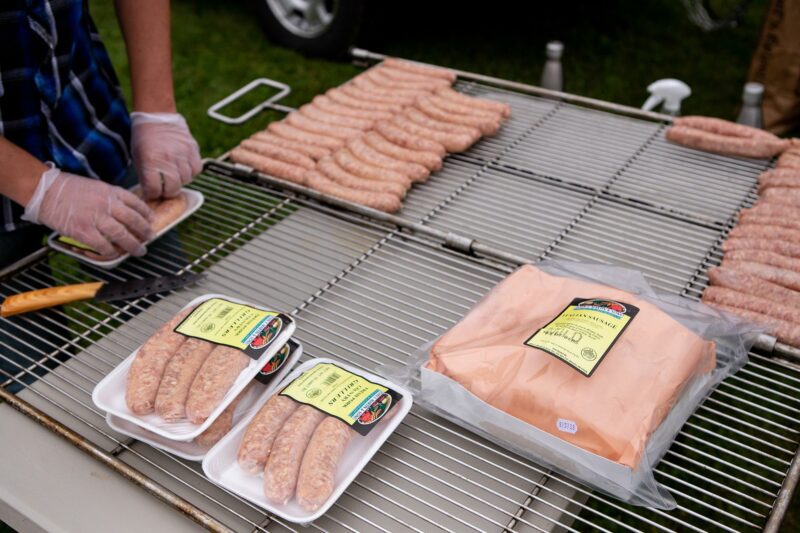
x=195, y=365
x=251, y=398
x=193, y=201
x=297, y=452
x=581, y=368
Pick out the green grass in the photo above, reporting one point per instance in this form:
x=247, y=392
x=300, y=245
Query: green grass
x=614, y=49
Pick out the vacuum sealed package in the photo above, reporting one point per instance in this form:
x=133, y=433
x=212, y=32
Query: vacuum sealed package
x=581, y=368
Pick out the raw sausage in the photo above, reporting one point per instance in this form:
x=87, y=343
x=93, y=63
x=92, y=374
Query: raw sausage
x=178, y=376
x=385, y=78
x=267, y=165
x=283, y=464
x=424, y=120
x=353, y=165
x=429, y=160
x=722, y=127
x=789, y=249
x=747, y=283
x=261, y=432
x=750, y=302
x=281, y=153
x=789, y=159
x=749, y=217
x=780, y=276
x=452, y=94
x=408, y=140
x=400, y=74
x=213, y=381
x=759, y=148
x=315, y=113
x=317, y=474
x=367, y=154
x=433, y=72
x=288, y=131
x=346, y=100
x=312, y=151
x=370, y=86
x=782, y=177
x=376, y=200
x=785, y=332
x=756, y=231
x=304, y=123
x=782, y=195
x=331, y=169
x=457, y=107
x=223, y=423
x=326, y=104
x=765, y=257
x=763, y=208
x=427, y=106
x=452, y=142
x=144, y=375
x=381, y=97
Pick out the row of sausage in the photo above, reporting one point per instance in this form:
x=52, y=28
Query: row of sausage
x=369, y=140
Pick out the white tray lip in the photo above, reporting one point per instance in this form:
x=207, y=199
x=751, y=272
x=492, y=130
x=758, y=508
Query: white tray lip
x=251, y=371
x=178, y=448
x=195, y=200
x=403, y=408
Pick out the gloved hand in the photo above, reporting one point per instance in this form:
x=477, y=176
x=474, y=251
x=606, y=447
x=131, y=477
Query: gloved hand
x=165, y=154
x=93, y=212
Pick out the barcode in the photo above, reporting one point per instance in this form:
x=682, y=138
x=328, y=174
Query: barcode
x=224, y=312
x=333, y=378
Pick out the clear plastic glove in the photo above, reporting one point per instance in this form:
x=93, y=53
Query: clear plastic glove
x=165, y=154
x=95, y=213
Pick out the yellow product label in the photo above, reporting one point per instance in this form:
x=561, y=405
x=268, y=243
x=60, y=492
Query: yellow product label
x=237, y=325
x=76, y=244
x=583, y=333
x=349, y=397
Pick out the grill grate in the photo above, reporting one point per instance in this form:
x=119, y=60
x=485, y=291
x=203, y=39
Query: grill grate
x=369, y=293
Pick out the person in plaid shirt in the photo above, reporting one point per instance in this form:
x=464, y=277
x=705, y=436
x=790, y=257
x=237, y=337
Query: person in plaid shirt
x=67, y=142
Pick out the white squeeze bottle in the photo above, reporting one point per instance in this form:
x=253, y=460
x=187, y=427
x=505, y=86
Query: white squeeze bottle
x=552, y=75
x=752, y=96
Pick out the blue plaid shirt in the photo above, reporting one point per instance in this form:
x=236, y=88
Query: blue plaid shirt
x=59, y=97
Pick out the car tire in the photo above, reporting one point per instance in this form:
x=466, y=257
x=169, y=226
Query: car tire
x=332, y=38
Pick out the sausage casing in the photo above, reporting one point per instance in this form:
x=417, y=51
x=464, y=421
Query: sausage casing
x=178, y=376
x=317, y=474
x=261, y=432
x=213, y=381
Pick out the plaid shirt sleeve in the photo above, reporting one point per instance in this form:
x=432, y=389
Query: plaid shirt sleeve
x=59, y=97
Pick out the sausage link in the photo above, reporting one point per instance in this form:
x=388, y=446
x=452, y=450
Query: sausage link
x=785, y=332
x=317, y=474
x=261, y=432
x=331, y=169
x=750, y=302
x=408, y=140
x=370, y=86
x=789, y=249
x=376, y=200
x=747, y=216
x=223, y=423
x=326, y=104
x=381, y=97
x=312, y=151
x=178, y=376
x=782, y=195
x=429, y=160
x=756, y=231
x=780, y=276
x=433, y=72
x=765, y=257
x=771, y=209
x=457, y=107
x=452, y=142
x=213, y=381
x=759, y=148
x=321, y=128
x=288, y=131
x=385, y=78
x=741, y=281
x=353, y=165
x=427, y=106
x=455, y=96
x=789, y=159
x=148, y=366
x=267, y=165
x=346, y=100
x=314, y=112
x=281, y=153
x=418, y=117
x=283, y=463
x=368, y=154
x=783, y=177
x=722, y=127
x=404, y=75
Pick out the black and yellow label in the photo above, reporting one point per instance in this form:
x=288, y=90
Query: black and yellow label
x=583, y=333
x=349, y=397
x=239, y=326
x=276, y=362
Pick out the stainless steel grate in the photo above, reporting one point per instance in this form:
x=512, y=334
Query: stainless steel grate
x=370, y=292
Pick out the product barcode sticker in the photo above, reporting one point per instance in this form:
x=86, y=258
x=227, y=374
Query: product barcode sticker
x=567, y=426
x=349, y=397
